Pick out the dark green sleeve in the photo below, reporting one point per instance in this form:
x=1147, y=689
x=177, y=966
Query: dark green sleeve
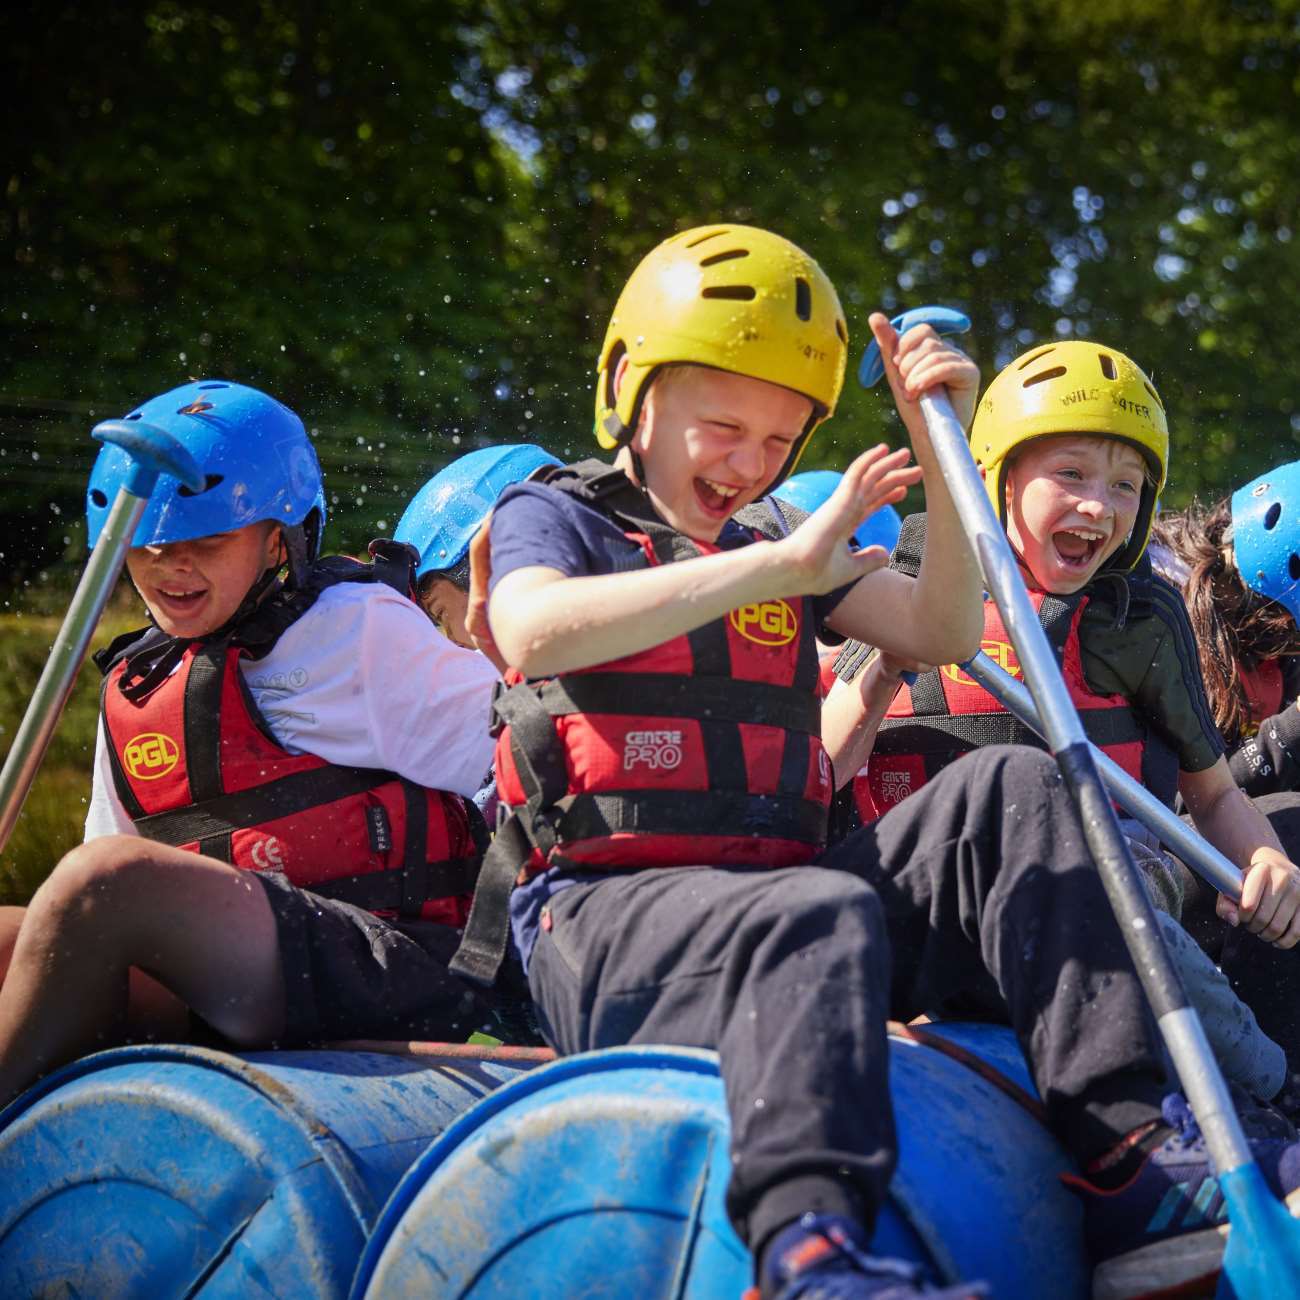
x=1152, y=661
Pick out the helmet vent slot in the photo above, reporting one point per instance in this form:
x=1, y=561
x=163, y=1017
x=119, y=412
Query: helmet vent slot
x=209, y=482
x=1272, y=515
x=712, y=234
x=204, y=388
x=737, y=292
x=1054, y=373
x=714, y=258
x=98, y=498
x=1107, y=365
x=135, y=415
x=802, y=298
x=1033, y=356
x=1293, y=566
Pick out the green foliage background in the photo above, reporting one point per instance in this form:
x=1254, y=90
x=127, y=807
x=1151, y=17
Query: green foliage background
x=410, y=221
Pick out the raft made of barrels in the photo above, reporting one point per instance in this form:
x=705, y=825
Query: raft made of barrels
x=180, y=1171
x=603, y=1175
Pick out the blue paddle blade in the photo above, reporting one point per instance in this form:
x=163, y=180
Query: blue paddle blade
x=1262, y=1260
x=945, y=320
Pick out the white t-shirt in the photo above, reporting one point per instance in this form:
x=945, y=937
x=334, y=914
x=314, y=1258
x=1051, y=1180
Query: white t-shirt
x=362, y=679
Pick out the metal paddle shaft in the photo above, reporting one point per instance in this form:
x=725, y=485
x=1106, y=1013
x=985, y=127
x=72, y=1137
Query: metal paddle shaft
x=1129, y=793
x=152, y=452
x=1179, y=1025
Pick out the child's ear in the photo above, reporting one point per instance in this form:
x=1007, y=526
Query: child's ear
x=619, y=371
x=277, y=549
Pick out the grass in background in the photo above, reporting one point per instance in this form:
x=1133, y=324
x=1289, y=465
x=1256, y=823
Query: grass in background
x=54, y=815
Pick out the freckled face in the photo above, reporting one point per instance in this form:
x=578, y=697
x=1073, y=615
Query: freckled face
x=711, y=442
x=1071, y=504
x=192, y=588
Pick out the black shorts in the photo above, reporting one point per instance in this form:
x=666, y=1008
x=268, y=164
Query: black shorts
x=351, y=974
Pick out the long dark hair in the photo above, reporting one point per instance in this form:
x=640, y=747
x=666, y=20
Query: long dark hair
x=1235, y=627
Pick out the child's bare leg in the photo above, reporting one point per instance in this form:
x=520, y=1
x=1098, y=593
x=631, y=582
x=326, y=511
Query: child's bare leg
x=152, y=1012
x=10, y=919
x=204, y=929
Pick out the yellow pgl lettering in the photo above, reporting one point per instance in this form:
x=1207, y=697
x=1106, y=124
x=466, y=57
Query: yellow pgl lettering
x=999, y=651
x=771, y=623
x=150, y=755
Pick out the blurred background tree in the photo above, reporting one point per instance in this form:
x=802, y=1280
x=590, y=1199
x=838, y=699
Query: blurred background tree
x=410, y=221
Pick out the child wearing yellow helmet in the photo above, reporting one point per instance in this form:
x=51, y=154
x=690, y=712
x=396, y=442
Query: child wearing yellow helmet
x=1073, y=442
x=661, y=758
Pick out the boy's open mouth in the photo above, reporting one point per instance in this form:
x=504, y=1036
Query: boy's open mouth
x=1077, y=548
x=178, y=600
x=718, y=499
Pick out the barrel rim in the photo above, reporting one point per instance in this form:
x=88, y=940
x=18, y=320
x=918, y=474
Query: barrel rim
x=609, y=1060
x=331, y=1150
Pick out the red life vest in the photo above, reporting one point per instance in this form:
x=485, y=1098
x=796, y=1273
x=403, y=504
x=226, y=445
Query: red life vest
x=196, y=766
x=946, y=714
x=705, y=749
x=1264, y=692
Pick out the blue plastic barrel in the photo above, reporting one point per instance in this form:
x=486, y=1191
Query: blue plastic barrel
x=603, y=1175
x=178, y=1171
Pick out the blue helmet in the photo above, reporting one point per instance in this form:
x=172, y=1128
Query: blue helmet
x=446, y=512
x=812, y=489
x=256, y=457
x=1266, y=535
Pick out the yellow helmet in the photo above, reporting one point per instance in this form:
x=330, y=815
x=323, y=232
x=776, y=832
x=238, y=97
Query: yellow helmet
x=1074, y=387
x=732, y=297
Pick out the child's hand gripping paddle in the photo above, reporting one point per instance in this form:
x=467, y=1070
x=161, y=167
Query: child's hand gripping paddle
x=152, y=452
x=1262, y=1260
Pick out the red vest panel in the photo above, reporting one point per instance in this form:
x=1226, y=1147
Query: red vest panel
x=196, y=766
x=704, y=750
x=1264, y=693
x=946, y=714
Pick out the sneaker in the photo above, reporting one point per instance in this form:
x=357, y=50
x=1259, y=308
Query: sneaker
x=1163, y=1230
x=822, y=1257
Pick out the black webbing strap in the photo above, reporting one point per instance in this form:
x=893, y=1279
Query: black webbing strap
x=851, y=660
x=934, y=735
x=725, y=814
x=392, y=890
x=415, y=849
x=202, y=725
x=678, y=695
x=487, y=932
x=928, y=699
x=244, y=808
x=394, y=564
x=538, y=756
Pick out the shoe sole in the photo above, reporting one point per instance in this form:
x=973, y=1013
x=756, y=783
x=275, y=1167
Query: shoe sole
x=1178, y=1268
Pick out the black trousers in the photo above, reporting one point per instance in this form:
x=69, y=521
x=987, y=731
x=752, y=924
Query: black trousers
x=1265, y=978
x=977, y=886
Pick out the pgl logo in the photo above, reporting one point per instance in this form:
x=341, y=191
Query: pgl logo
x=150, y=755
x=1002, y=654
x=660, y=751
x=772, y=623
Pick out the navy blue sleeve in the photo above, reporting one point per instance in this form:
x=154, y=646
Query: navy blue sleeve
x=538, y=525
x=824, y=607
